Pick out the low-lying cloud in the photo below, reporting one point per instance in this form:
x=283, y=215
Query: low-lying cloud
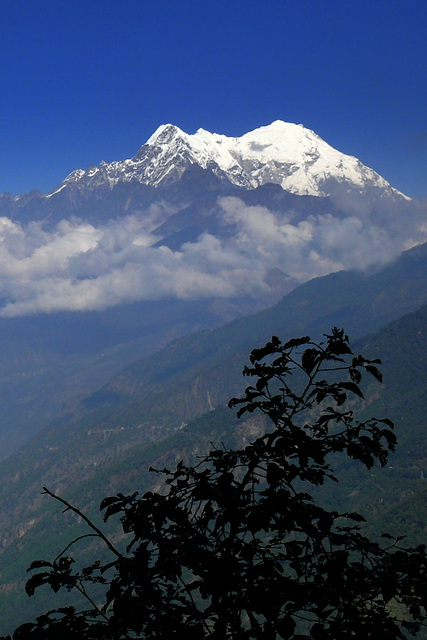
x=78, y=266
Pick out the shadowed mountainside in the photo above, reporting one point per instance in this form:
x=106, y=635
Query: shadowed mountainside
x=94, y=461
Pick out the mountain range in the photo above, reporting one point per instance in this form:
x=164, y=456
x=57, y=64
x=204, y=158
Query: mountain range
x=193, y=231
x=171, y=405
x=282, y=153
x=132, y=294
x=203, y=208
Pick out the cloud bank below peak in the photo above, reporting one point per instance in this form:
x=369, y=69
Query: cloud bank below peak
x=77, y=266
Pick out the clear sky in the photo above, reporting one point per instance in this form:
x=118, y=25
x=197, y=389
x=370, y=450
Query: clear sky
x=85, y=81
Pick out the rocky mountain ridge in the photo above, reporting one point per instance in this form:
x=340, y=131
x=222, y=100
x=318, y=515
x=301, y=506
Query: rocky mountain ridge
x=282, y=153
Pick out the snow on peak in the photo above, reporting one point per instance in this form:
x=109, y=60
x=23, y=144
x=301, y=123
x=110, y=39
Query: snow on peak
x=164, y=133
x=282, y=153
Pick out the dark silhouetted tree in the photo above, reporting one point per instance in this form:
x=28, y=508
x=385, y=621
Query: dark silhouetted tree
x=236, y=547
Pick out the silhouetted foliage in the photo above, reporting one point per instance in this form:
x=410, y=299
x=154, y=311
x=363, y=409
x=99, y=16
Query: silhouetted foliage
x=235, y=546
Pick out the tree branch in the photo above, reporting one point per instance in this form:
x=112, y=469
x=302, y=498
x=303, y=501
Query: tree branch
x=86, y=519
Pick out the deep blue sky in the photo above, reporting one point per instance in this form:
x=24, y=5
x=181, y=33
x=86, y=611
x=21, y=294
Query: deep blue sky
x=86, y=81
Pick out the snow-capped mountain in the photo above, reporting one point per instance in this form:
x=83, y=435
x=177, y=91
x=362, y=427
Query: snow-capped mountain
x=194, y=230
x=198, y=216
x=282, y=153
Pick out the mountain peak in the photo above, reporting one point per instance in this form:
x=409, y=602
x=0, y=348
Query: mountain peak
x=164, y=134
x=282, y=153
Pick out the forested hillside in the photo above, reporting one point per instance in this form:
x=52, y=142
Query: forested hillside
x=110, y=450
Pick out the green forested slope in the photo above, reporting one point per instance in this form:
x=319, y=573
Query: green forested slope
x=142, y=421
x=361, y=303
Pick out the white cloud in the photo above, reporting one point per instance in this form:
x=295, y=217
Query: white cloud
x=324, y=243
x=77, y=266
